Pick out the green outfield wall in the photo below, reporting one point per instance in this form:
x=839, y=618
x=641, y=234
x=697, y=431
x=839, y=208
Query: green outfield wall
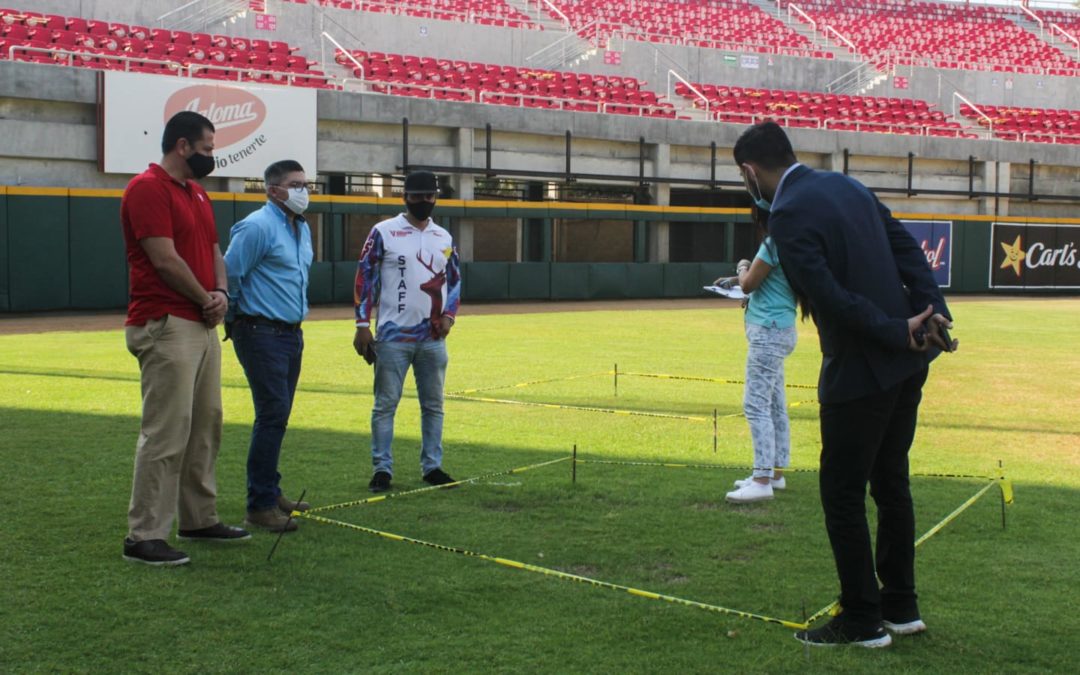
x=62, y=249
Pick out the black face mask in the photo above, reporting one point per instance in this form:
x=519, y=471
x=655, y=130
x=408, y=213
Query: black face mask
x=201, y=165
x=420, y=210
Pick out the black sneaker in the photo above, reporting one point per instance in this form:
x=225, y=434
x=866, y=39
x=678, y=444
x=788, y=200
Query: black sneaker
x=380, y=482
x=153, y=552
x=438, y=477
x=216, y=532
x=837, y=632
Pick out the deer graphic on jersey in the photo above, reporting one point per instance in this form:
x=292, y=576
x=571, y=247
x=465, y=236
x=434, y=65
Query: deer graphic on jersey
x=433, y=287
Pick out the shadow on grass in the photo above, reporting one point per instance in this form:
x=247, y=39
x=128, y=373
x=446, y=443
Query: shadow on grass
x=82, y=608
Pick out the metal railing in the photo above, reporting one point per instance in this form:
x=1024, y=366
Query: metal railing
x=957, y=95
x=848, y=43
x=563, y=50
x=179, y=68
x=1068, y=36
x=426, y=11
x=515, y=98
x=691, y=87
x=345, y=52
x=853, y=125
x=793, y=8
x=855, y=79
x=1034, y=17
x=199, y=14
x=557, y=12
x=607, y=29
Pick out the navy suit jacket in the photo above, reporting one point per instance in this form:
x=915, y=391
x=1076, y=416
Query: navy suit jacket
x=863, y=275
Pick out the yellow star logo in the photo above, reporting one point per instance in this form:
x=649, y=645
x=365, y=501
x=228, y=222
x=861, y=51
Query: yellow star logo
x=1013, y=255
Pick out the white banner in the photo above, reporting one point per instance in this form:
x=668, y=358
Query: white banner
x=256, y=125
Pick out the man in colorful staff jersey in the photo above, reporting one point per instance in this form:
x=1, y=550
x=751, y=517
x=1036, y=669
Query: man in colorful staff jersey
x=408, y=276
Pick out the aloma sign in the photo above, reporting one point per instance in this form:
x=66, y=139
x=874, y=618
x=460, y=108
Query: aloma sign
x=1028, y=255
x=254, y=125
x=237, y=115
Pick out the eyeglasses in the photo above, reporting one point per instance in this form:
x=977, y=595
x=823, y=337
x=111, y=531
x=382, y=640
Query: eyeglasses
x=295, y=185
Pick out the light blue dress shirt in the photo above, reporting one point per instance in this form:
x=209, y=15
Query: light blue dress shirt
x=268, y=263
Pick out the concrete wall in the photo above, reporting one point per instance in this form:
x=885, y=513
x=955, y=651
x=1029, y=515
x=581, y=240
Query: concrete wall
x=48, y=136
x=981, y=87
x=48, y=133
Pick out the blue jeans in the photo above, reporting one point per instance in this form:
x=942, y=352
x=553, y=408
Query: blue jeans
x=428, y=360
x=763, y=401
x=271, y=359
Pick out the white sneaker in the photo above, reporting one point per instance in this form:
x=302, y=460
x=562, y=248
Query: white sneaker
x=754, y=492
x=776, y=483
x=909, y=628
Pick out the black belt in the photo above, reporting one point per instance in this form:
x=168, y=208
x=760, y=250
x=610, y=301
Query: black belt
x=263, y=321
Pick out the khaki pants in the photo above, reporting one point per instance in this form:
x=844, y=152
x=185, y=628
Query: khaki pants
x=180, y=362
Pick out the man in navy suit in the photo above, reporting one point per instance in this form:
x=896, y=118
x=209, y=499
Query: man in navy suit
x=880, y=318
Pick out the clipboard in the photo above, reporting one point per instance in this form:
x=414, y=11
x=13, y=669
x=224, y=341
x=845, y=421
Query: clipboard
x=735, y=293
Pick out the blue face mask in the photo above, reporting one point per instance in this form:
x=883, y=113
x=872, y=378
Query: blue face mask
x=759, y=200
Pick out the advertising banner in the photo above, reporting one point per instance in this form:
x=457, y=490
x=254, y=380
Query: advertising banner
x=935, y=238
x=1033, y=255
x=255, y=125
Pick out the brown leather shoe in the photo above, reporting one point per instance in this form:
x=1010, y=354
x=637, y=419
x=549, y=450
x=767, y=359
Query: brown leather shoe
x=288, y=505
x=271, y=520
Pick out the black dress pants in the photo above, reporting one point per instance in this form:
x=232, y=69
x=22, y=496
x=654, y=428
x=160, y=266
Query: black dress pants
x=867, y=441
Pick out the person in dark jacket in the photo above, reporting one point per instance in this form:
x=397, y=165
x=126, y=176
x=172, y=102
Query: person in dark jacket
x=881, y=319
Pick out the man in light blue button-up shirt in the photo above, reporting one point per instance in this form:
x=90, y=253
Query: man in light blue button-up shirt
x=268, y=262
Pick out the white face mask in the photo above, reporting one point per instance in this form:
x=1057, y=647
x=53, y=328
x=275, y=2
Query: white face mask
x=298, y=200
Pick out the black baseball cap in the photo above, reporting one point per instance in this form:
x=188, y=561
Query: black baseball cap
x=421, y=182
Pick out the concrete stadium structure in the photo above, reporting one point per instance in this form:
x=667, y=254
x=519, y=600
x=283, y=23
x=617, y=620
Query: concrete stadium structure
x=49, y=135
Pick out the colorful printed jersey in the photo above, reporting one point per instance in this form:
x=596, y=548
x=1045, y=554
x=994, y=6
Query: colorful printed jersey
x=412, y=277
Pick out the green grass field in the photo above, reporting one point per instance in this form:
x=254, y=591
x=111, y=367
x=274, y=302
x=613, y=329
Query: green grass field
x=334, y=600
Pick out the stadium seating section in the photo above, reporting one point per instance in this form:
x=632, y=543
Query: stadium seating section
x=975, y=37
x=75, y=41
x=743, y=105
x=949, y=36
x=1028, y=124
x=504, y=85
x=484, y=12
x=718, y=24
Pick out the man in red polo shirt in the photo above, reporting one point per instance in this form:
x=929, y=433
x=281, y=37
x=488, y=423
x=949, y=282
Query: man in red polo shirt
x=177, y=281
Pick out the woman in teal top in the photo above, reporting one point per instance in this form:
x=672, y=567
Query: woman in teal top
x=771, y=334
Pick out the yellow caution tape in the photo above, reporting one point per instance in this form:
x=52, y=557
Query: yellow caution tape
x=952, y=516
x=527, y=384
x=559, y=406
x=832, y=608
x=429, y=488
x=692, y=378
x=566, y=576
x=673, y=465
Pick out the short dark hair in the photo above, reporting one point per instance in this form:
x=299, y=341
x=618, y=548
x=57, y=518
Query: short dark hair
x=184, y=124
x=277, y=170
x=765, y=144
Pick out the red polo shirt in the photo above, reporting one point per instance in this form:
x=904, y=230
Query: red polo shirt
x=155, y=205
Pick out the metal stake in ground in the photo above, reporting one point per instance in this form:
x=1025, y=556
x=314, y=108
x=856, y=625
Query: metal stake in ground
x=1001, y=471
x=616, y=380
x=573, y=466
x=282, y=533
x=806, y=645
x=714, y=414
